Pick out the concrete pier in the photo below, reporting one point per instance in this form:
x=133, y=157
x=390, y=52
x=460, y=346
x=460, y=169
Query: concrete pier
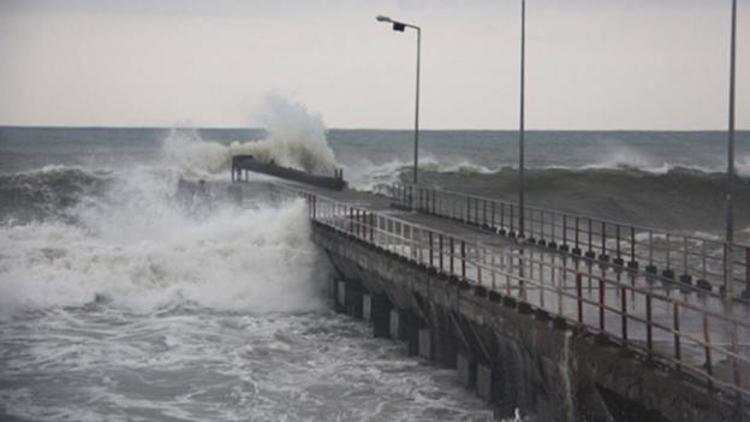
x=513, y=358
x=536, y=326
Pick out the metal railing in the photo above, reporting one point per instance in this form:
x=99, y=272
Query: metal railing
x=696, y=336
x=691, y=260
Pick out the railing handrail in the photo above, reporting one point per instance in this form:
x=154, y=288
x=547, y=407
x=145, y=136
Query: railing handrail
x=353, y=219
x=641, y=228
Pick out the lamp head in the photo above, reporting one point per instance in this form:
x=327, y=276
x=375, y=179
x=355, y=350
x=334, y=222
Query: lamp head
x=381, y=18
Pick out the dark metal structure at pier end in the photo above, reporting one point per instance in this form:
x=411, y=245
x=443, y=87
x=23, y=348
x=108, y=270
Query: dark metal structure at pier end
x=242, y=164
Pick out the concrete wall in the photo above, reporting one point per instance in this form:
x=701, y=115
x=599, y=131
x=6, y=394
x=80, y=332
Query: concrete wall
x=511, y=354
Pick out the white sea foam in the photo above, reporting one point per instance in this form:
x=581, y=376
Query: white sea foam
x=138, y=248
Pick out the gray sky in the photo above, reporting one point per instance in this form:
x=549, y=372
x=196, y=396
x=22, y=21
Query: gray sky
x=592, y=64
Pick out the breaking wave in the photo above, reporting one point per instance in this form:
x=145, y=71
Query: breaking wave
x=135, y=246
x=680, y=198
x=135, y=238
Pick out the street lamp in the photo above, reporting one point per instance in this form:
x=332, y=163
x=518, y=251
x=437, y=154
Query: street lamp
x=400, y=27
x=522, y=124
x=729, y=239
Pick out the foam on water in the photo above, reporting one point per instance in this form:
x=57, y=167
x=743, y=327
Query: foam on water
x=206, y=365
x=137, y=248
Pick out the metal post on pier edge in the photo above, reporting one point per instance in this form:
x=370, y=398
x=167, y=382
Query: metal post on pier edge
x=728, y=256
x=521, y=131
x=400, y=27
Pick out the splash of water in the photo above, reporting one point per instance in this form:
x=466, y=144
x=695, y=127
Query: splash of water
x=136, y=247
x=296, y=138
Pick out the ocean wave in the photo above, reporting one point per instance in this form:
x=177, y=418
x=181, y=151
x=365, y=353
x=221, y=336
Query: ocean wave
x=679, y=199
x=230, y=261
x=48, y=192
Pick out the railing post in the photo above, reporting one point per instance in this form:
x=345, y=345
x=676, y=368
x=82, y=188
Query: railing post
x=358, y=225
x=579, y=297
x=502, y=217
x=669, y=252
x=624, y=313
x=590, y=253
x=685, y=277
x=707, y=350
x=479, y=263
x=451, y=245
x=649, y=326
x=508, y=273
x=432, y=261
x=633, y=262
x=618, y=259
x=463, y=259
x=602, y=299
x=651, y=267
x=372, y=227
x=484, y=212
x=676, y=327
x=603, y=256
x=467, y=217
x=440, y=247
x=735, y=363
x=351, y=220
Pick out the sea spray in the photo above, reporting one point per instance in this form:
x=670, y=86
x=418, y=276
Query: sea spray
x=295, y=138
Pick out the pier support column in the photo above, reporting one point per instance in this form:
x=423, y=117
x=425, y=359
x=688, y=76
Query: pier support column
x=380, y=315
x=339, y=294
x=425, y=343
x=444, y=341
x=354, y=300
x=467, y=370
x=485, y=381
x=413, y=324
x=397, y=325
x=367, y=307
x=348, y=298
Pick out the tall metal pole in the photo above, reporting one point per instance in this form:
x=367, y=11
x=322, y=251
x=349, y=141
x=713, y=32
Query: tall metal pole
x=416, y=108
x=728, y=255
x=522, y=124
x=400, y=26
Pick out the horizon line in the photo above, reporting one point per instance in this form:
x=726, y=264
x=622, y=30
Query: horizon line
x=22, y=126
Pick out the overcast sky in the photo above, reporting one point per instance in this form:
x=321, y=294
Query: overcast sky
x=592, y=64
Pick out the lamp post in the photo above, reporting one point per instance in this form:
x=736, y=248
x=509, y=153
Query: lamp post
x=728, y=253
x=400, y=27
x=522, y=128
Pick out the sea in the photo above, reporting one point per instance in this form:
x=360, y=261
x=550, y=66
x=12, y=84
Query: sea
x=119, y=301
